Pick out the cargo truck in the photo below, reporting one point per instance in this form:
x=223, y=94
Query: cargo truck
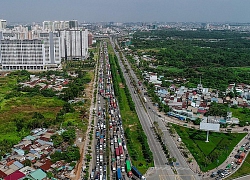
x=117, y=153
x=121, y=151
x=137, y=173
x=119, y=174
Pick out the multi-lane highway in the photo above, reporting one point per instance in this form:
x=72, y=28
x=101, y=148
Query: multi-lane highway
x=110, y=158
x=147, y=116
x=160, y=159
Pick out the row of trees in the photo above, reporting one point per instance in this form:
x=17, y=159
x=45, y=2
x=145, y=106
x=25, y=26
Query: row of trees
x=147, y=153
x=115, y=68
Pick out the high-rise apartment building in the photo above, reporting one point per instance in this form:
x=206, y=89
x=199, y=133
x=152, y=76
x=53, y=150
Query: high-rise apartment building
x=60, y=25
x=74, y=44
x=42, y=48
x=3, y=24
x=35, y=54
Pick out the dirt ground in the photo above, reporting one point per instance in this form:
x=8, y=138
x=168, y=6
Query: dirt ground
x=89, y=93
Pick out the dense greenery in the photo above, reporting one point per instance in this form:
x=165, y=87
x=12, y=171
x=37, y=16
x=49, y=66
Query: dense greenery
x=65, y=141
x=208, y=154
x=216, y=109
x=138, y=147
x=72, y=153
x=219, y=57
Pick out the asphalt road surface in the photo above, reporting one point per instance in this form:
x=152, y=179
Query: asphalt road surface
x=147, y=116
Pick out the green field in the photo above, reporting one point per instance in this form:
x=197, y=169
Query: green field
x=24, y=108
x=170, y=69
x=243, y=170
x=208, y=155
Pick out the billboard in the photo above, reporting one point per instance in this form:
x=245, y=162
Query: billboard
x=209, y=126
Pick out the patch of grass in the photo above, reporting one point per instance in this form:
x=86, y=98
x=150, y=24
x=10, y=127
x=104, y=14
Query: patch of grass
x=24, y=108
x=170, y=69
x=243, y=170
x=238, y=113
x=208, y=154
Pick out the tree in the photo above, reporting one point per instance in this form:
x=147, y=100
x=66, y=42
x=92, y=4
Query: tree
x=57, y=140
x=27, y=162
x=197, y=121
x=69, y=136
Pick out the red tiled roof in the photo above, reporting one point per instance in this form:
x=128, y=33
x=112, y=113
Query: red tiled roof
x=2, y=174
x=46, y=165
x=14, y=176
x=201, y=111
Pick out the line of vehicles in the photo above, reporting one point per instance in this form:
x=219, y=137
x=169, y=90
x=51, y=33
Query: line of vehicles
x=100, y=164
x=120, y=164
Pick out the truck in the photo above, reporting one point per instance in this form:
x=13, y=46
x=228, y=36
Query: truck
x=117, y=153
x=119, y=174
x=119, y=142
x=137, y=173
x=239, y=161
x=128, y=168
x=121, y=151
x=114, y=166
x=101, y=155
x=101, y=158
x=242, y=155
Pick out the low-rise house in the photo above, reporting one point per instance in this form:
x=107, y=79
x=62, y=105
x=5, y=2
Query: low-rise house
x=26, y=170
x=2, y=174
x=37, y=175
x=15, y=176
x=46, y=167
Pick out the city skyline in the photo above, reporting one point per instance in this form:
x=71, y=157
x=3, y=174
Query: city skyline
x=126, y=11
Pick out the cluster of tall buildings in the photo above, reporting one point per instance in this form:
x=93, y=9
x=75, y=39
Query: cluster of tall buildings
x=42, y=48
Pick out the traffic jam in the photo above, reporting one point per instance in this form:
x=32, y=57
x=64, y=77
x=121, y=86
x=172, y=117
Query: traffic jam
x=109, y=121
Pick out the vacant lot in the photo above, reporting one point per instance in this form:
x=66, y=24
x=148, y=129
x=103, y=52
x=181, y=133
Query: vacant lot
x=208, y=155
x=23, y=108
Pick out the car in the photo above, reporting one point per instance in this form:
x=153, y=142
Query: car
x=234, y=167
x=232, y=163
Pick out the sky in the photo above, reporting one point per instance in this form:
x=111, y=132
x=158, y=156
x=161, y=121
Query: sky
x=126, y=10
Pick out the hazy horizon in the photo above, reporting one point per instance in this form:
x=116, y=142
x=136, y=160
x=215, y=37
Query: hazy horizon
x=127, y=11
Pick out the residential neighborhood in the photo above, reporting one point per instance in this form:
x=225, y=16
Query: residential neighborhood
x=30, y=158
x=192, y=103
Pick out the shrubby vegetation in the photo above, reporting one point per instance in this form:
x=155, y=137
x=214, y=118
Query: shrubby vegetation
x=219, y=57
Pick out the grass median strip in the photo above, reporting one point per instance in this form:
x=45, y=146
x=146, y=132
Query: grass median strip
x=138, y=148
